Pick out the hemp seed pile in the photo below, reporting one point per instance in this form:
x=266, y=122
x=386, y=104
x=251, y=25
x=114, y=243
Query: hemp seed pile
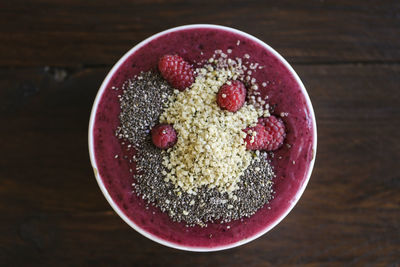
x=208, y=176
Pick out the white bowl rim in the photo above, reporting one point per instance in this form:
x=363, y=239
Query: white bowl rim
x=115, y=206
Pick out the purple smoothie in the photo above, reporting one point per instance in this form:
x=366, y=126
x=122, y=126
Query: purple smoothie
x=291, y=165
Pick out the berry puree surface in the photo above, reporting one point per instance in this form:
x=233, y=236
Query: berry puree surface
x=291, y=162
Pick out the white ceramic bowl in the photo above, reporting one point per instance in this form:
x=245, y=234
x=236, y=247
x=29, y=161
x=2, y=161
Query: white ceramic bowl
x=115, y=206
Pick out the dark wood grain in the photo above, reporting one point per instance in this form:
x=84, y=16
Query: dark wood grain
x=99, y=32
x=53, y=58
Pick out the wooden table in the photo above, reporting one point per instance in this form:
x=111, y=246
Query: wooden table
x=53, y=58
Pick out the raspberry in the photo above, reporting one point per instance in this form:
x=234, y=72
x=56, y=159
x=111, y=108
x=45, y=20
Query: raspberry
x=231, y=96
x=256, y=143
x=163, y=136
x=178, y=73
x=275, y=128
x=270, y=133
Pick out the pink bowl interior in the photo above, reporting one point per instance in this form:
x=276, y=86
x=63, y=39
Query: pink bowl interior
x=292, y=165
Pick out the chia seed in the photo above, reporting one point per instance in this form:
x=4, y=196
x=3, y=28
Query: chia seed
x=141, y=105
x=142, y=102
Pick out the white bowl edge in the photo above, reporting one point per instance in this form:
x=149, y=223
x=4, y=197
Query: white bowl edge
x=115, y=206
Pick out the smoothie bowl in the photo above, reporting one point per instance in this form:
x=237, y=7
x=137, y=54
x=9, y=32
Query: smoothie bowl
x=202, y=138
